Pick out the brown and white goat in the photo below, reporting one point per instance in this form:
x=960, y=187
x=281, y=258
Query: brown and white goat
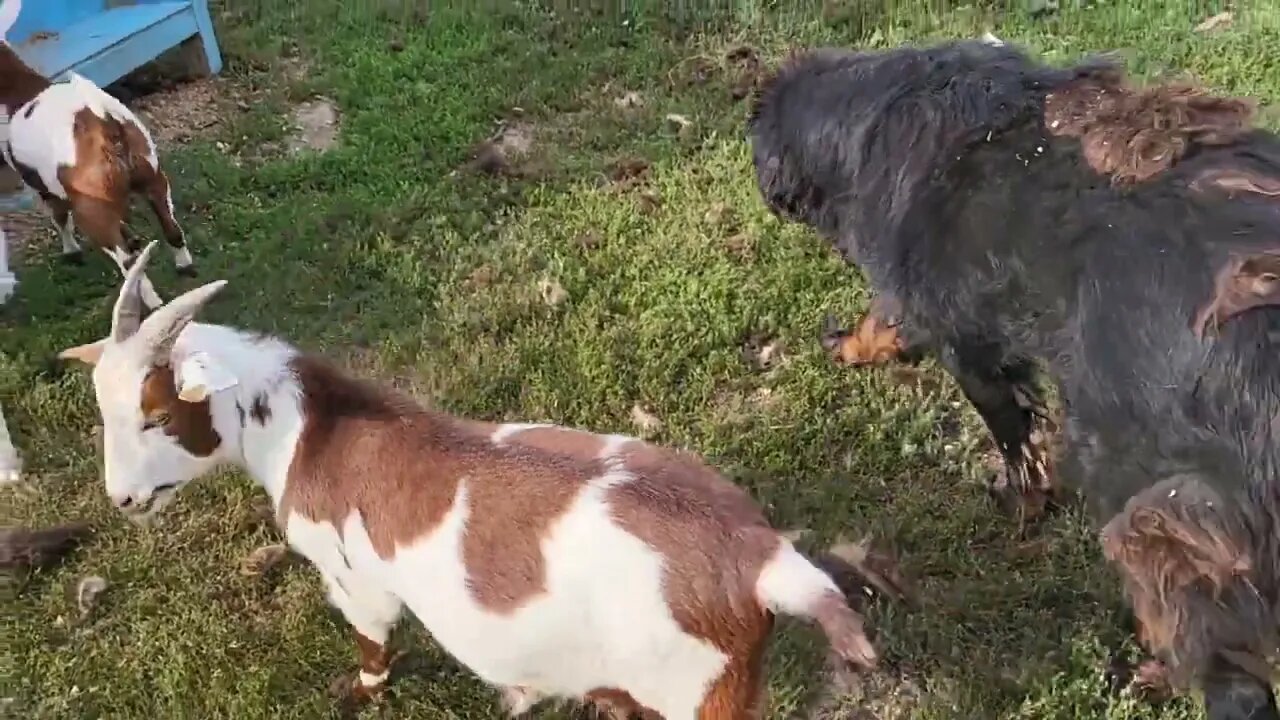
x=553, y=562
x=84, y=153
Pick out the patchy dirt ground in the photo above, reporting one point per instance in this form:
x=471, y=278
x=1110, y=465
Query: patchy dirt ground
x=315, y=124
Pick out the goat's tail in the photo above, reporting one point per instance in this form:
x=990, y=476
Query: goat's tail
x=25, y=548
x=792, y=585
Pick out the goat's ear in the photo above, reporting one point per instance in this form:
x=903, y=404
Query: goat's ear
x=87, y=354
x=200, y=375
x=1246, y=282
x=159, y=331
x=126, y=317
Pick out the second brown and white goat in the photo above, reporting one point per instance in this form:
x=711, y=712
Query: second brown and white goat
x=84, y=153
x=552, y=562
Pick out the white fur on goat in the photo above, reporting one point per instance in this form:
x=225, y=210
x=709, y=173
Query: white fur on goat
x=10, y=461
x=84, y=152
x=554, y=563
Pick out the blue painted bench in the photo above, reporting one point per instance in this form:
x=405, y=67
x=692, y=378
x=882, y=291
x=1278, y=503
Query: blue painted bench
x=104, y=40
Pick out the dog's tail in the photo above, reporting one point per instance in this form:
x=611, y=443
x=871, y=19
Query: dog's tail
x=25, y=548
x=791, y=584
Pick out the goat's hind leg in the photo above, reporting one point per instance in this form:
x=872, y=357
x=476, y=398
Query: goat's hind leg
x=160, y=197
x=103, y=223
x=372, y=615
x=60, y=213
x=1005, y=397
x=1188, y=560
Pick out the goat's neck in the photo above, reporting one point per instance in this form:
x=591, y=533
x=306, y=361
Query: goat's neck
x=19, y=83
x=261, y=443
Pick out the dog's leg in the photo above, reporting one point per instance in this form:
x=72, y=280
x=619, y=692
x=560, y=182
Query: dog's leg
x=1004, y=396
x=881, y=337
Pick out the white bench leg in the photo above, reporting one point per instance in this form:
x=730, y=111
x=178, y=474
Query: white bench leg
x=8, y=282
x=10, y=463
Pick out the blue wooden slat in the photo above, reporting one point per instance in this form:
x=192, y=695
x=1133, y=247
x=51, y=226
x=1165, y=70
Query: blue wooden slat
x=112, y=43
x=51, y=16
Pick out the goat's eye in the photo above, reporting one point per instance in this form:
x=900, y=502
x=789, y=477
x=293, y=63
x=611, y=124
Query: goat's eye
x=158, y=420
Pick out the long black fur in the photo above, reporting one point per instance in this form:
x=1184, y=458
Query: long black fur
x=932, y=169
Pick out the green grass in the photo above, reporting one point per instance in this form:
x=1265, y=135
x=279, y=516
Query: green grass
x=379, y=252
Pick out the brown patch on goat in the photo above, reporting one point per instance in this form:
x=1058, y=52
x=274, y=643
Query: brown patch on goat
x=19, y=83
x=1133, y=134
x=1164, y=546
x=375, y=659
x=738, y=694
x=401, y=466
x=675, y=503
x=1237, y=181
x=190, y=423
x=1242, y=284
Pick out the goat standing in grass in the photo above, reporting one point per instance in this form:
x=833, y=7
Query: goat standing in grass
x=554, y=563
x=84, y=153
x=1010, y=214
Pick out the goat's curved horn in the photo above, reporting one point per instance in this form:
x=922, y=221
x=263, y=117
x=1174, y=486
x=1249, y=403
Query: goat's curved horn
x=161, y=328
x=126, y=318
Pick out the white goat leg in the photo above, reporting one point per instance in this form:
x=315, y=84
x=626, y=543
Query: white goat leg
x=10, y=463
x=66, y=230
x=372, y=614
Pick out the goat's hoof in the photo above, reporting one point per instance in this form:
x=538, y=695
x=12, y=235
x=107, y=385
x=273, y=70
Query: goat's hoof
x=75, y=257
x=187, y=271
x=352, y=695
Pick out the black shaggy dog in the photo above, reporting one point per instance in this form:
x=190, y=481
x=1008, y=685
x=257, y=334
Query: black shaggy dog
x=1129, y=240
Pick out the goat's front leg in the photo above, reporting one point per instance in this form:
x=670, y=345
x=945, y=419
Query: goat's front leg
x=1004, y=395
x=10, y=462
x=372, y=615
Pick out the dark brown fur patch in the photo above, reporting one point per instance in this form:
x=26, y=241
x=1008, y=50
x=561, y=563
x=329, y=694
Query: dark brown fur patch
x=19, y=83
x=1133, y=134
x=260, y=410
x=188, y=422
x=1164, y=545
